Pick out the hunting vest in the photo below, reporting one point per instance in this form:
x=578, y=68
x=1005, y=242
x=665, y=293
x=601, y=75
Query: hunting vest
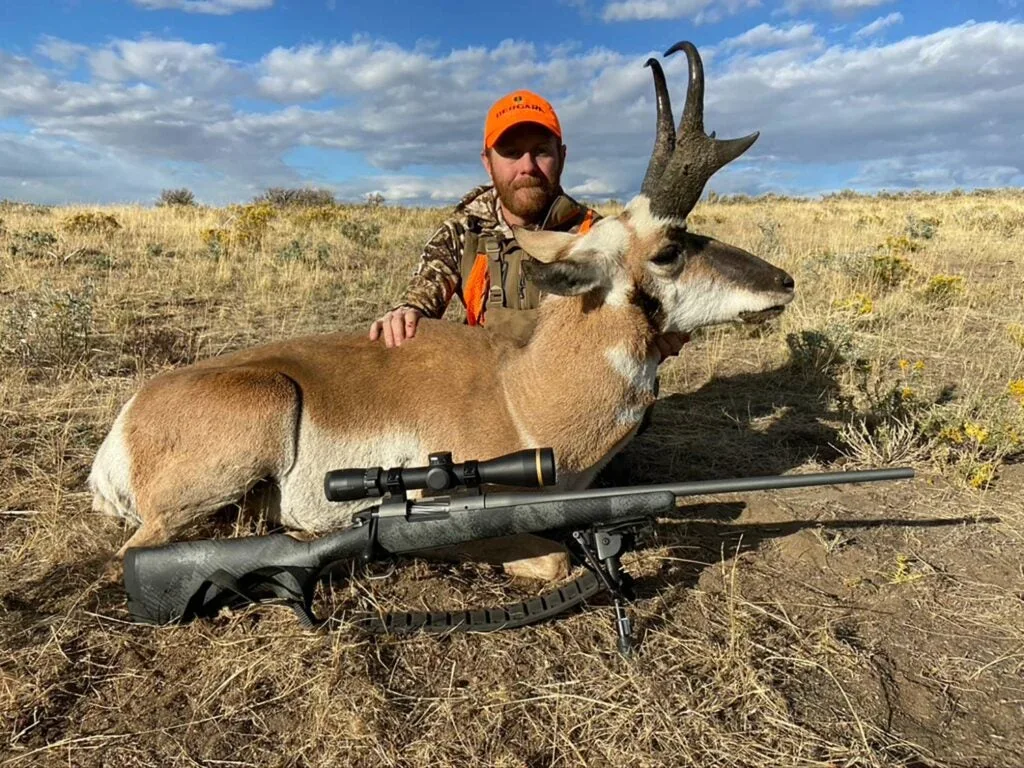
x=494, y=287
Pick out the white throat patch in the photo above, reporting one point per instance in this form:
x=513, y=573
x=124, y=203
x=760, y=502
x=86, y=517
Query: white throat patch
x=640, y=375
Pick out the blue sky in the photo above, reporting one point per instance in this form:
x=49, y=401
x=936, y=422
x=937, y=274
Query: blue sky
x=114, y=100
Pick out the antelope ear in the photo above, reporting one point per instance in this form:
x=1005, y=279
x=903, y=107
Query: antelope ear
x=544, y=245
x=567, y=277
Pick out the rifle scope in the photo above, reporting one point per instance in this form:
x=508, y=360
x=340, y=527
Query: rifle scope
x=531, y=468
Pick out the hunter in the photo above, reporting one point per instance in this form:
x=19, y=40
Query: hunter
x=473, y=254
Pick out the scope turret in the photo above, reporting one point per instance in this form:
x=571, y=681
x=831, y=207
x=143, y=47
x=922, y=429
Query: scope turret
x=531, y=468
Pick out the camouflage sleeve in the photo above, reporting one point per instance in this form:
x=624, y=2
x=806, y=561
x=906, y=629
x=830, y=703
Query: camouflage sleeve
x=437, y=277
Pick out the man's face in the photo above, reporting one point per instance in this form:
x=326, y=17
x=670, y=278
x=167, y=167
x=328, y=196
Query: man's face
x=525, y=165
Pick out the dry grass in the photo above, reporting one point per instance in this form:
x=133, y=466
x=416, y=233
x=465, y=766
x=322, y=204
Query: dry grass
x=857, y=626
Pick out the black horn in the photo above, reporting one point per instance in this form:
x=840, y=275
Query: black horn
x=665, y=137
x=696, y=156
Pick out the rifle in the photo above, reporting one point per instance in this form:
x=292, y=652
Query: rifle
x=185, y=580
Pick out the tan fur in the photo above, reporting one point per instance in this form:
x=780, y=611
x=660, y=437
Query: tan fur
x=198, y=438
x=201, y=437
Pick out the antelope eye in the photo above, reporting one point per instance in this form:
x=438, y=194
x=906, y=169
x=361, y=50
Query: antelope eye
x=668, y=255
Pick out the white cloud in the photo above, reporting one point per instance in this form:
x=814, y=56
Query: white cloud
x=941, y=109
x=174, y=65
x=23, y=87
x=946, y=170
x=313, y=70
x=213, y=7
x=61, y=51
x=767, y=36
x=49, y=170
x=835, y=6
x=876, y=26
x=699, y=11
x=593, y=187
x=409, y=190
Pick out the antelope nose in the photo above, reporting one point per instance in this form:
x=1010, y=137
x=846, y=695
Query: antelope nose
x=788, y=283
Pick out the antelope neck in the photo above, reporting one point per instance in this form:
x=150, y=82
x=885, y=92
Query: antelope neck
x=584, y=380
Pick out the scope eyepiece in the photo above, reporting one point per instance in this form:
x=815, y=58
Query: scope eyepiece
x=531, y=467
x=352, y=484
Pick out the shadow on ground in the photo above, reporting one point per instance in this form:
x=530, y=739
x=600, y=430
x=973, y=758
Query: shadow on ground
x=762, y=423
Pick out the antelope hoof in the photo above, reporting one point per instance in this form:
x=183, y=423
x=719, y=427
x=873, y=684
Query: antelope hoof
x=551, y=567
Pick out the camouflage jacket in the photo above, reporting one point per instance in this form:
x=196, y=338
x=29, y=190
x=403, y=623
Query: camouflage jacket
x=438, y=274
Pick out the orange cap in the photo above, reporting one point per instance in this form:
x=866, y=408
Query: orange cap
x=519, y=107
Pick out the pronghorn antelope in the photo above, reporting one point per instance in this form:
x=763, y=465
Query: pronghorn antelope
x=197, y=439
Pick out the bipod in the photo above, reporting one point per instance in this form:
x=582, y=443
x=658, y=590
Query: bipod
x=602, y=548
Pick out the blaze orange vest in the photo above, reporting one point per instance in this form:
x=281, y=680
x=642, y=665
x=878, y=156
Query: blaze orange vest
x=483, y=282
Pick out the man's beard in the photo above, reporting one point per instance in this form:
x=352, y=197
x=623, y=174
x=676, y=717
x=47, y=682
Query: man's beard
x=527, y=198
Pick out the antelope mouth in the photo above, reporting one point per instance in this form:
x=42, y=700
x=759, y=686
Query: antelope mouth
x=763, y=315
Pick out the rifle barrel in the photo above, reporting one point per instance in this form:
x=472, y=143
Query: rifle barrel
x=702, y=487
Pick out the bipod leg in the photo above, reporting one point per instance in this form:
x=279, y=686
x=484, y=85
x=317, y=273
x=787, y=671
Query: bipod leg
x=602, y=549
x=625, y=629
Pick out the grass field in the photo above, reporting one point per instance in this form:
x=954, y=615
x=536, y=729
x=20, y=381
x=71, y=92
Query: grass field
x=877, y=625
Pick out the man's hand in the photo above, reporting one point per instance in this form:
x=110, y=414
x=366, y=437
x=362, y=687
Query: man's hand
x=669, y=344
x=396, y=326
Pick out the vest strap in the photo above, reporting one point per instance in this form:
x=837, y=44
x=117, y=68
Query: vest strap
x=495, y=293
x=491, y=267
